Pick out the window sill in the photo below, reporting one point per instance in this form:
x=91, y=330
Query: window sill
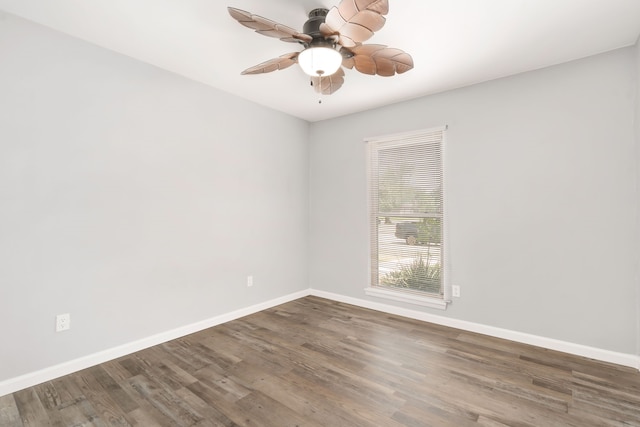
x=407, y=297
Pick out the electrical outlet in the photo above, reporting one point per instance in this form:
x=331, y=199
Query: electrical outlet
x=63, y=322
x=249, y=281
x=455, y=290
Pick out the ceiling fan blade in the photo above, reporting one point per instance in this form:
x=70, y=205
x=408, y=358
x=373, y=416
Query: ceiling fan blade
x=328, y=84
x=280, y=63
x=380, y=6
x=365, y=64
x=381, y=60
x=367, y=49
x=267, y=27
x=348, y=62
x=355, y=20
x=369, y=19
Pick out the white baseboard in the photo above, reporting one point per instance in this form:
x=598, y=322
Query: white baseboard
x=28, y=380
x=623, y=359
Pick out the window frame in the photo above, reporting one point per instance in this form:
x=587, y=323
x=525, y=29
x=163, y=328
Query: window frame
x=410, y=296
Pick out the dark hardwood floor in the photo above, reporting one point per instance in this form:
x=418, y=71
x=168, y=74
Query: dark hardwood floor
x=315, y=362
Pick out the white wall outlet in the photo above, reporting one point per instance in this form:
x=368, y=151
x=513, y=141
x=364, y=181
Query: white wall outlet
x=455, y=290
x=63, y=322
x=249, y=281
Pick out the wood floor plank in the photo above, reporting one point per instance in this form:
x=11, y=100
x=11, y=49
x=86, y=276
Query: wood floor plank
x=304, y=398
x=229, y=411
x=262, y=410
x=315, y=362
x=103, y=394
x=119, y=396
x=32, y=411
x=165, y=401
x=9, y=414
x=211, y=415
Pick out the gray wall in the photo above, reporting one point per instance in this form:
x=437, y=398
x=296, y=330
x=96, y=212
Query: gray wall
x=134, y=199
x=541, y=198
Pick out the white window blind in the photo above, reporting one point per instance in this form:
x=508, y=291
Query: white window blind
x=406, y=204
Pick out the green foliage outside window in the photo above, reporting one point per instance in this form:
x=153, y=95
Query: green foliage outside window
x=430, y=231
x=420, y=275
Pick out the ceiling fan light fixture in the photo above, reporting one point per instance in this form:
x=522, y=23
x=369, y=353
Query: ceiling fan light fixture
x=319, y=61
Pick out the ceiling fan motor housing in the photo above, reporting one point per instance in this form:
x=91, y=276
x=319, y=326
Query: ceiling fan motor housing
x=312, y=26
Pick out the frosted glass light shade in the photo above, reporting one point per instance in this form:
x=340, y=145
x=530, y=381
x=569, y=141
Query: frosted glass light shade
x=323, y=61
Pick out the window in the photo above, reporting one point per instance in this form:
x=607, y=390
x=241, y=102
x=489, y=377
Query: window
x=406, y=204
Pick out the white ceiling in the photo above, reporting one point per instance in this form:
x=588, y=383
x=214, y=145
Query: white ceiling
x=454, y=43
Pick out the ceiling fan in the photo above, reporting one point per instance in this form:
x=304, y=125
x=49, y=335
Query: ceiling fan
x=332, y=39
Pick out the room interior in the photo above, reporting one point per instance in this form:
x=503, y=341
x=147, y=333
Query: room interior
x=138, y=196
